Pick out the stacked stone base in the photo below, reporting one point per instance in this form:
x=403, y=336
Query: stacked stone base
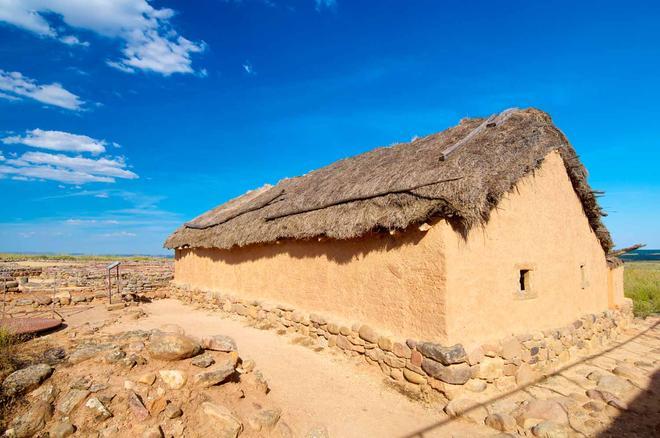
x=506, y=364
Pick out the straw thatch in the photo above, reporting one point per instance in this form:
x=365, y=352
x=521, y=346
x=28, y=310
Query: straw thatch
x=459, y=174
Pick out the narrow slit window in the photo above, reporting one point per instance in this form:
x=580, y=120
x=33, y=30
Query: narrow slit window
x=524, y=280
x=583, y=277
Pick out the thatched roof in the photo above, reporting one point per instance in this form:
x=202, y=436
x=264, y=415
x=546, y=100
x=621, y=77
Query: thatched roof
x=459, y=174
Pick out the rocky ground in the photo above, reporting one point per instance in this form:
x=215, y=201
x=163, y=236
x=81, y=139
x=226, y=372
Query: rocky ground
x=165, y=368
x=142, y=383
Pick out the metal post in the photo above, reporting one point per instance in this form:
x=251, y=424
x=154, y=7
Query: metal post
x=109, y=288
x=118, y=282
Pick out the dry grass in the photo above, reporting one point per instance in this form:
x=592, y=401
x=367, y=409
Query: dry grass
x=17, y=257
x=7, y=353
x=7, y=366
x=642, y=285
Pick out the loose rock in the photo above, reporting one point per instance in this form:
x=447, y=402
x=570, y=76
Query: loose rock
x=71, y=400
x=62, y=429
x=219, y=343
x=137, y=407
x=100, y=411
x=173, y=411
x=147, y=378
x=172, y=347
x=26, y=379
x=174, y=379
x=216, y=375
x=264, y=419
x=33, y=420
x=203, y=361
x=225, y=423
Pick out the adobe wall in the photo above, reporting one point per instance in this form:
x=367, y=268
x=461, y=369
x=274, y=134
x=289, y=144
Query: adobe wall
x=394, y=283
x=615, y=287
x=539, y=226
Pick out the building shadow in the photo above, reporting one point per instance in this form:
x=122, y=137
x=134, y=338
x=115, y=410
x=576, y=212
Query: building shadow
x=641, y=418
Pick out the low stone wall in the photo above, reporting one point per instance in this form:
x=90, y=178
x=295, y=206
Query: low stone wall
x=507, y=363
x=135, y=277
x=16, y=271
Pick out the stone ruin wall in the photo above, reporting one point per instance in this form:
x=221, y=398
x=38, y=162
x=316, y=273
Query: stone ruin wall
x=62, y=285
x=507, y=363
x=136, y=277
x=11, y=275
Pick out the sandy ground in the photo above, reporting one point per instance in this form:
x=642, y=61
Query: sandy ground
x=349, y=398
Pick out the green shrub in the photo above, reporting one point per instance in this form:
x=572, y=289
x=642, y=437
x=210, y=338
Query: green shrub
x=642, y=285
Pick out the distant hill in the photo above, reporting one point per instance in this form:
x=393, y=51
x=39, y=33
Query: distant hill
x=642, y=255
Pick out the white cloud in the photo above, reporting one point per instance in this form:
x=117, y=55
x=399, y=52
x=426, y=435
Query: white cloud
x=149, y=40
x=59, y=141
x=71, y=40
x=65, y=169
x=53, y=174
x=91, y=222
x=51, y=94
x=102, y=167
x=119, y=234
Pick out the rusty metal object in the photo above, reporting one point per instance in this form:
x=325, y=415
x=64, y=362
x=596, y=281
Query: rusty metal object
x=110, y=267
x=22, y=326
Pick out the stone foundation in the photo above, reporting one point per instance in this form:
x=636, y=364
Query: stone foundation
x=507, y=363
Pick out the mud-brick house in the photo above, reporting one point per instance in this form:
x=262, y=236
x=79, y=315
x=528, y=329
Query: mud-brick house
x=483, y=230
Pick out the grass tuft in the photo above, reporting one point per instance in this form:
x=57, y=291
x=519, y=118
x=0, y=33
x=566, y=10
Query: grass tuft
x=642, y=285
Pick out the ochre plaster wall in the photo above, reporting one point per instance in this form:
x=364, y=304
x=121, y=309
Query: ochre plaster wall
x=615, y=287
x=541, y=226
x=394, y=283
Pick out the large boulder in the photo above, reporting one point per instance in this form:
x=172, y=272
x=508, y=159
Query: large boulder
x=26, y=379
x=454, y=374
x=445, y=355
x=172, y=347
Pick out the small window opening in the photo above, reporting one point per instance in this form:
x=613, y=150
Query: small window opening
x=524, y=280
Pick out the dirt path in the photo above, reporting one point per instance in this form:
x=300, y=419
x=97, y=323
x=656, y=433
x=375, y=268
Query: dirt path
x=312, y=388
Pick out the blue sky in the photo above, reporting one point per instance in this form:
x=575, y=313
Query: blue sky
x=120, y=119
